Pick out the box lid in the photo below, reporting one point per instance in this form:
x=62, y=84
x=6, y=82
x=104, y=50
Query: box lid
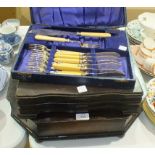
x=79, y=16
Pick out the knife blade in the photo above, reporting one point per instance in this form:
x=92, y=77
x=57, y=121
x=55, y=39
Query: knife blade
x=50, y=32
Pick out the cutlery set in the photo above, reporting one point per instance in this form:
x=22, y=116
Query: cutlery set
x=67, y=62
x=38, y=58
x=58, y=36
x=107, y=63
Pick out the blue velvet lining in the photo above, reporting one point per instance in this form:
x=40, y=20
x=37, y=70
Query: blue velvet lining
x=125, y=67
x=79, y=16
x=24, y=60
x=116, y=41
x=51, y=57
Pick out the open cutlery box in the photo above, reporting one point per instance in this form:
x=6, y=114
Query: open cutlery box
x=73, y=20
x=48, y=105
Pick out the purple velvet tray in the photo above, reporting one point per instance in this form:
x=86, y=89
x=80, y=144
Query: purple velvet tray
x=22, y=67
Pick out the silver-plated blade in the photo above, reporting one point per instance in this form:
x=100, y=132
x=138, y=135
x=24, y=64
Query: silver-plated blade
x=50, y=32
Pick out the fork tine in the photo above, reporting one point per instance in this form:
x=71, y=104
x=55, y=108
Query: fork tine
x=39, y=46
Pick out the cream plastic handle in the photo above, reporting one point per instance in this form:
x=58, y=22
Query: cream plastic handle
x=66, y=67
x=94, y=34
x=69, y=52
x=65, y=60
x=81, y=73
x=48, y=38
x=67, y=56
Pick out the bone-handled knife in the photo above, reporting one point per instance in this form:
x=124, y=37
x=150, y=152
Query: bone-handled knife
x=51, y=32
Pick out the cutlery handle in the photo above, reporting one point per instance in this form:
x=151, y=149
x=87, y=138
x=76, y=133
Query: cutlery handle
x=67, y=56
x=94, y=34
x=69, y=52
x=65, y=60
x=81, y=73
x=48, y=38
x=66, y=67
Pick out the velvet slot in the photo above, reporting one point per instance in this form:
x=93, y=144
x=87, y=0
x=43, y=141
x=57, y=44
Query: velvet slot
x=79, y=16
